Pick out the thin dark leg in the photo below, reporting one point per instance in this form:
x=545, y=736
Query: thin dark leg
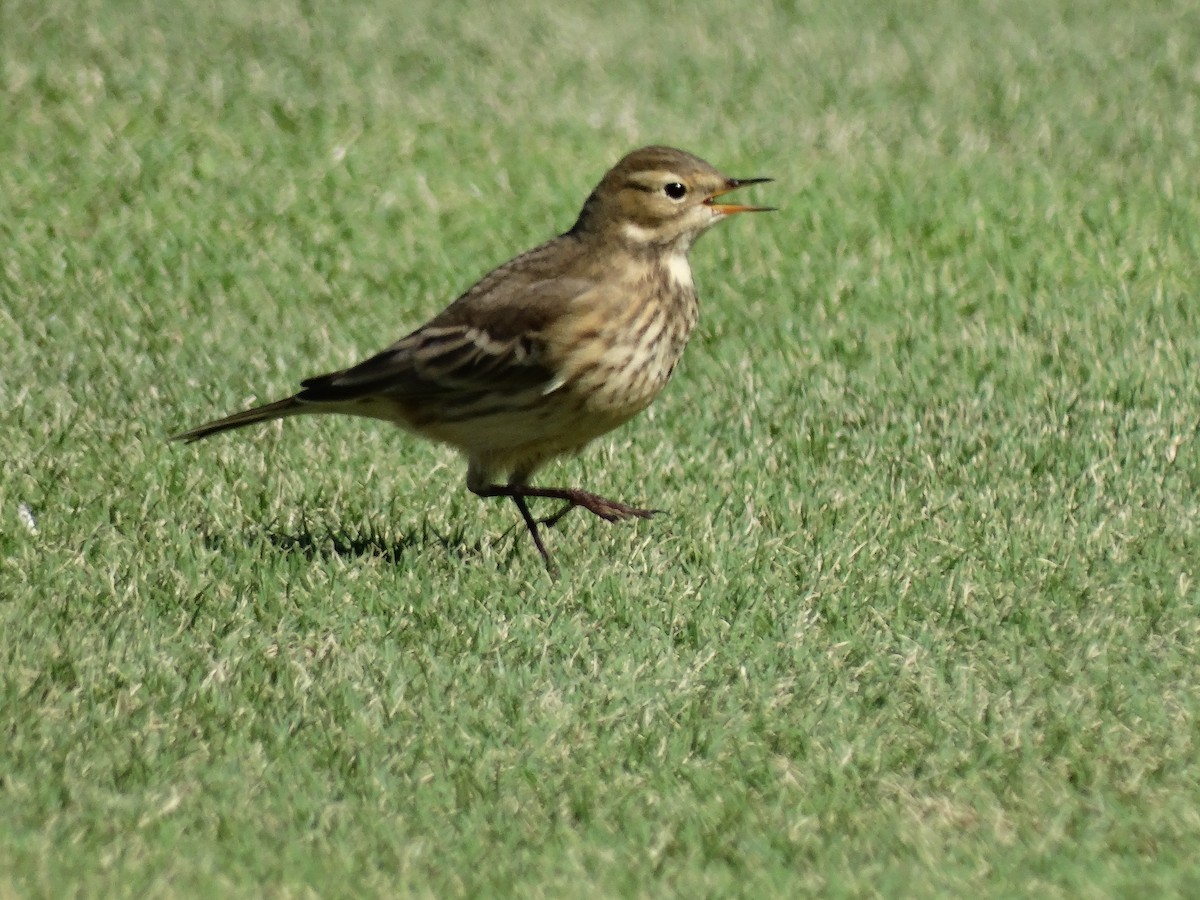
x=531, y=524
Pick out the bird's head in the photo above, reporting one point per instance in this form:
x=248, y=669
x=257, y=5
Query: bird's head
x=659, y=197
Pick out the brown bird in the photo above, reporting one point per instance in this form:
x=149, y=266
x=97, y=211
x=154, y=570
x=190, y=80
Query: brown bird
x=550, y=350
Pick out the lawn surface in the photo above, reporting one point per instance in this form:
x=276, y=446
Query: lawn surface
x=922, y=619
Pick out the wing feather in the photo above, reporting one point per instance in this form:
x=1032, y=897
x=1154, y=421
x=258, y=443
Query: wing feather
x=481, y=344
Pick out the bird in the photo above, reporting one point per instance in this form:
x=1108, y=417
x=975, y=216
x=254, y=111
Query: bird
x=551, y=350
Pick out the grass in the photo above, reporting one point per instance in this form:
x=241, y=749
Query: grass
x=923, y=618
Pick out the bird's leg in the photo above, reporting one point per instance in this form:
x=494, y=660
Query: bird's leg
x=608, y=510
x=532, y=525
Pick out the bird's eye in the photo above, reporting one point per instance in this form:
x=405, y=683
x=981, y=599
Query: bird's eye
x=675, y=190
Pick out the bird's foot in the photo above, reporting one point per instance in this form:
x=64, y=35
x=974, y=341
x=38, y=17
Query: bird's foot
x=608, y=510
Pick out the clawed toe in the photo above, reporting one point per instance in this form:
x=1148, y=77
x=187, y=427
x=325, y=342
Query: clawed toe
x=611, y=511
x=551, y=520
x=608, y=510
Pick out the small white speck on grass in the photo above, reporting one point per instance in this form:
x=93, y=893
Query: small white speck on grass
x=172, y=802
x=339, y=151
x=1173, y=448
x=428, y=197
x=25, y=514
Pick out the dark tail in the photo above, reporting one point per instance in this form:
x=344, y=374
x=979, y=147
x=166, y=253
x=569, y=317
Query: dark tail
x=289, y=407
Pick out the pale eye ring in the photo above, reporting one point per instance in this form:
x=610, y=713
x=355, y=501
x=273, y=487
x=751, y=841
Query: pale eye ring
x=675, y=190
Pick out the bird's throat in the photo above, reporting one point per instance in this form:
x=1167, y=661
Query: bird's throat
x=679, y=270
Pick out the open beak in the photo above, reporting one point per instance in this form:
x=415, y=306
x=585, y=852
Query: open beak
x=733, y=184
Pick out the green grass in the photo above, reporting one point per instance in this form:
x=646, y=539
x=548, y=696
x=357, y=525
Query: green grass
x=923, y=619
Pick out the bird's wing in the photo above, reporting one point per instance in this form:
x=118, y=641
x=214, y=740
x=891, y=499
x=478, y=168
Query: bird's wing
x=471, y=348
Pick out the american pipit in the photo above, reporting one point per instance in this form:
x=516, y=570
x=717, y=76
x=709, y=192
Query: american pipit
x=551, y=350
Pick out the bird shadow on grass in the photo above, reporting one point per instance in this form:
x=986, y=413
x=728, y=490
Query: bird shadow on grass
x=315, y=543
